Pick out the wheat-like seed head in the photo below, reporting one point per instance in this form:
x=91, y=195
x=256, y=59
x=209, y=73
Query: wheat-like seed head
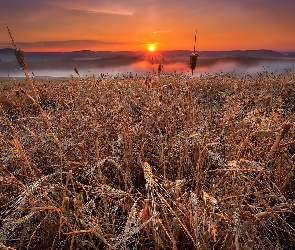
x=193, y=61
x=20, y=58
x=110, y=191
x=194, y=56
x=148, y=173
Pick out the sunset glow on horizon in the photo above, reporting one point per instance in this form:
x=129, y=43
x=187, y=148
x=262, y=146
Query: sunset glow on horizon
x=131, y=25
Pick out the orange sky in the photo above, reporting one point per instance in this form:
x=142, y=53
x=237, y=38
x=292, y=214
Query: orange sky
x=53, y=25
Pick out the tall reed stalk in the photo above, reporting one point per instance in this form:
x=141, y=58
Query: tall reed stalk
x=22, y=63
x=194, y=56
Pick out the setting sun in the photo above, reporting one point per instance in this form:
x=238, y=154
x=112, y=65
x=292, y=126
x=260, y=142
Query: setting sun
x=152, y=48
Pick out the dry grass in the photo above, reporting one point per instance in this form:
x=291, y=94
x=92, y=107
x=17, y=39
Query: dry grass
x=154, y=162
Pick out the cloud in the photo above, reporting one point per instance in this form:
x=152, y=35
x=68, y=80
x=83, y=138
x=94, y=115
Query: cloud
x=96, y=7
x=160, y=31
x=68, y=45
x=104, y=11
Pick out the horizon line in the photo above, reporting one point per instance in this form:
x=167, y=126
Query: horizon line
x=170, y=50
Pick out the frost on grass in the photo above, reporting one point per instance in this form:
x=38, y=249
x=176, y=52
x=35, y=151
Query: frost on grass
x=149, y=162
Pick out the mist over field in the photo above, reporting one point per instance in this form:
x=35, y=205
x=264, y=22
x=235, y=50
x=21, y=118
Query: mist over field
x=60, y=64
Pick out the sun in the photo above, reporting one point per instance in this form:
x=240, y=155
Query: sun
x=151, y=48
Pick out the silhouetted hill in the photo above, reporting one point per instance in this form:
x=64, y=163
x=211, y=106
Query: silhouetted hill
x=7, y=54
x=242, y=53
x=233, y=53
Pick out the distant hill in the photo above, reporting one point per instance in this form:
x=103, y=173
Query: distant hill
x=7, y=54
x=242, y=53
x=233, y=53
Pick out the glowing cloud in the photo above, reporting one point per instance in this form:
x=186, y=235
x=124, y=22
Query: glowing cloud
x=160, y=31
x=104, y=11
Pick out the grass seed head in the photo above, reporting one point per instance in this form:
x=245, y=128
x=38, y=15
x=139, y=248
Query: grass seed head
x=148, y=173
x=20, y=59
x=193, y=61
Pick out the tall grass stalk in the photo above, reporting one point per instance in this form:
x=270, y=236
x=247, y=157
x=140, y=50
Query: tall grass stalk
x=194, y=57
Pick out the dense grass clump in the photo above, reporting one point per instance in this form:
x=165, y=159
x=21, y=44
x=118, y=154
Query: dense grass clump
x=154, y=162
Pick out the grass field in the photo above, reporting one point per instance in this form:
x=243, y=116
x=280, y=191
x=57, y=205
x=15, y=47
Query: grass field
x=148, y=162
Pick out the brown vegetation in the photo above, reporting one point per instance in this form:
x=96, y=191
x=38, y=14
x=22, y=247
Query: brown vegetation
x=154, y=162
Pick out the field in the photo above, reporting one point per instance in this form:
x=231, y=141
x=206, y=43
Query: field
x=148, y=162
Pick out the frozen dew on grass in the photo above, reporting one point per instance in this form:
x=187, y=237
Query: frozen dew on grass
x=149, y=162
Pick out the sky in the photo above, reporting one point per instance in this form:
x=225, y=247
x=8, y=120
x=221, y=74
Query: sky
x=123, y=25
